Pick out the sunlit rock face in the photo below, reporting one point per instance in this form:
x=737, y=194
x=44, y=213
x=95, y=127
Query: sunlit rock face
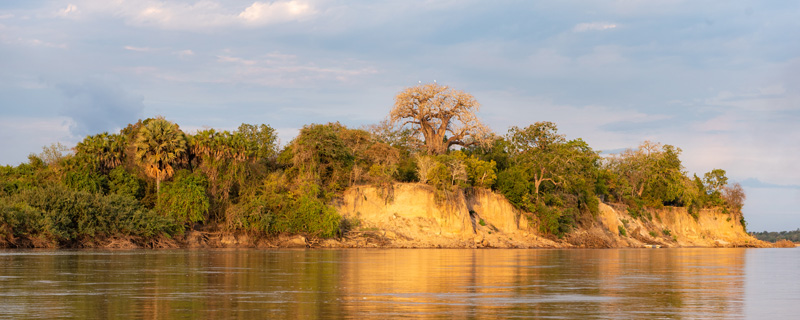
x=414, y=215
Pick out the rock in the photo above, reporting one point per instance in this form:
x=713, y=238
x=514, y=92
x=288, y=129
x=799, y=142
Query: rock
x=297, y=241
x=229, y=240
x=195, y=239
x=478, y=239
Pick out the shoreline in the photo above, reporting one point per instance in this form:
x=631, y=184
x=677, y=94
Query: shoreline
x=223, y=240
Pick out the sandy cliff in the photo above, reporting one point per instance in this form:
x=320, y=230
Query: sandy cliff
x=409, y=215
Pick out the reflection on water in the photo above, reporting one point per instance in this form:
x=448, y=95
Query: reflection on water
x=373, y=283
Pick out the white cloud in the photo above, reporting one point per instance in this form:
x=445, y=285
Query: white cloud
x=593, y=26
x=279, y=11
x=70, y=9
x=195, y=16
x=236, y=60
x=138, y=49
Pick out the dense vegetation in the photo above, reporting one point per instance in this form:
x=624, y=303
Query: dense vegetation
x=793, y=236
x=151, y=179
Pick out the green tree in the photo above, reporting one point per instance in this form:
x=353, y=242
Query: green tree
x=320, y=156
x=715, y=181
x=160, y=146
x=185, y=198
x=103, y=151
x=123, y=183
x=223, y=157
x=261, y=140
x=547, y=156
x=549, y=175
x=652, y=173
x=666, y=182
x=514, y=183
x=481, y=173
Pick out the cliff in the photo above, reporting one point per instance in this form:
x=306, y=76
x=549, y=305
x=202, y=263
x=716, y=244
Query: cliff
x=410, y=215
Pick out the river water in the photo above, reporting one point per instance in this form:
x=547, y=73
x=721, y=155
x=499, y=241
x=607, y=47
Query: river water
x=392, y=283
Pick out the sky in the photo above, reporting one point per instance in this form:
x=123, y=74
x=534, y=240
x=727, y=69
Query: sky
x=718, y=79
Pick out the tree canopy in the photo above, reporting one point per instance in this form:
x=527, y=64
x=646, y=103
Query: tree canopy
x=160, y=145
x=443, y=116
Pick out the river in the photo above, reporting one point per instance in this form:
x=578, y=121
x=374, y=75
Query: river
x=391, y=283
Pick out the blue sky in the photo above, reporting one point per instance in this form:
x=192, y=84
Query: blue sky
x=719, y=79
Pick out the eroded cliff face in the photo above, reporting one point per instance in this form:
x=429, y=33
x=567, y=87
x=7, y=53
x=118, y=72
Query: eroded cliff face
x=410, y=215
x=675, y=227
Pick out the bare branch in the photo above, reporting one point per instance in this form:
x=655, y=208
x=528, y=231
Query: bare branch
x=439, y=110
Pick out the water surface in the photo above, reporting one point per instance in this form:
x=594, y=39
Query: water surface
x=388, y=283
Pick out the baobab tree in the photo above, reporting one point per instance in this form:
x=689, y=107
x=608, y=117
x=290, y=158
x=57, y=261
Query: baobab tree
x=443, y=116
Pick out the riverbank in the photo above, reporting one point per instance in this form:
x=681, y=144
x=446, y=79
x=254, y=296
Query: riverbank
x=359, y=239
x=412, y=216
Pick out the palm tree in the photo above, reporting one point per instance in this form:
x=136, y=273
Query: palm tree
x=160, y=145
x=104, y=151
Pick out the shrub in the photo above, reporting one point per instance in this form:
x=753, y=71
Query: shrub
x=637, y=211
x=481, y=173
x=694, y=212
x=622, y=231
x=66, y=215
x=308, y=214
x=348, y=224
x=258, y=208
x=548, y=219
x=313, y=216
x=513, y=184
x=744, y=224
x=122, y=182
x=84, y=180
x=184, y=199
x=252, y=215
x=20, y=219
x=589, y=201
x=554, y=220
